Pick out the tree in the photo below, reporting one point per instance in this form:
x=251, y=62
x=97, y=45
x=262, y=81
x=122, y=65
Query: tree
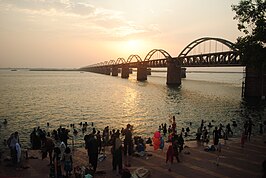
x=251, y=15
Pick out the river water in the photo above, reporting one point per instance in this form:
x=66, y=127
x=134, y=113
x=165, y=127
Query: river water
x=32, y=98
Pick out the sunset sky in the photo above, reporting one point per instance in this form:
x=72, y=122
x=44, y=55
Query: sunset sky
x=76, y=33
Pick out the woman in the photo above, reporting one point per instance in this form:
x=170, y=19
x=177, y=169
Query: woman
x=57, y=164
x=68, y=162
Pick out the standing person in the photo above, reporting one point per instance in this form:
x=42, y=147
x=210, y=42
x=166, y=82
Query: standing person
x=205, y=135
x=180, y=142
x=87, y=139
x=106, y=135
x=128, y=140
x=169, y=129
x=33, y=138
x=99, y=140
x=62, y=148
x=93, y=151
x=249, y=128
x=12, y=141
x=117, y=153
x=68, y=161
x=175, y=147
x=64, y=135
x=47, y=147
x=170, y=156
x=161, y=143
x=164, y=129
x=219, y=149
x=57, y=163
x=198, y=134
x=174, y=125
x=229, y=130
x=18, y=155
x=215, y=136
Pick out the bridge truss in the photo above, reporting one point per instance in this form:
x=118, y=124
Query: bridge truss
x=230, y=57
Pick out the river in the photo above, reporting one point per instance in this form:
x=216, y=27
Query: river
x=33, y=98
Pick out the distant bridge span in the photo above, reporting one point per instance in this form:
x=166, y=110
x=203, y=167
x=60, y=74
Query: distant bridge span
x=252, y=87
x=230, y=57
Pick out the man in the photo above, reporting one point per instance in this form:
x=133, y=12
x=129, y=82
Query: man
x=47, y=147
x=128, y=140
x=92, y=148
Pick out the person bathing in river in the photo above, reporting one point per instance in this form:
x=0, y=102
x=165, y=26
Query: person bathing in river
x=174, y=125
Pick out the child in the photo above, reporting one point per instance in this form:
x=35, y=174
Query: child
x=68, y=162
x=161, y=143
x=170, y=156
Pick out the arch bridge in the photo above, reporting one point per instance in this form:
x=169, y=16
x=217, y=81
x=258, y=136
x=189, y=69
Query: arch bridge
x=218, y=53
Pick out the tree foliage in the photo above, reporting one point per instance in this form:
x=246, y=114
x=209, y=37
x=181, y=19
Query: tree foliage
x=251, y=16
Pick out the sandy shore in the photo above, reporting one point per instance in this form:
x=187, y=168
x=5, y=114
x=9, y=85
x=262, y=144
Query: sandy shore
x=235, y=162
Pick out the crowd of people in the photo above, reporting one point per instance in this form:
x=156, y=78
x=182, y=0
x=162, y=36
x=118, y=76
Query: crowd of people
x=122, y=143
x=95, y=141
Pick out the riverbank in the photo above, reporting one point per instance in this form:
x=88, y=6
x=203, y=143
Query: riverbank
x=235, y=161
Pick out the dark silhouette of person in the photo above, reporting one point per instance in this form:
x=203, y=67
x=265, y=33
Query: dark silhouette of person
x=92, y=147
x=249, y=128
x=175, y=145
x=215, y=136
x=117, y=153
x=47, y=147
x=128, y=140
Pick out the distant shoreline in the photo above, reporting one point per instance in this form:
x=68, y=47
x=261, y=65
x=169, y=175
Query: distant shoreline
x=38, y=69
x=163, y=71
x=54, y=69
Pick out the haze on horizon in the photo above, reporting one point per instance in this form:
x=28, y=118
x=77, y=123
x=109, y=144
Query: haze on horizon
x=77, y=33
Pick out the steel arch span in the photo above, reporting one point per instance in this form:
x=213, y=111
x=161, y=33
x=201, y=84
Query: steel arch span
x=111, y=62
x=194, y=43
x=120, y=60
x=152, y=52
x=129, y=59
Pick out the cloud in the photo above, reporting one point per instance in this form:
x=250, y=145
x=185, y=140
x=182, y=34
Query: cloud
x=79, y=17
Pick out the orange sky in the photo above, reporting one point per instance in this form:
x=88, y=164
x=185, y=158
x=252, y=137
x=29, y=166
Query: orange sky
x=77, y=33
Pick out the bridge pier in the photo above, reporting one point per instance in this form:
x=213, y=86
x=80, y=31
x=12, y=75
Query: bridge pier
x=107, y=70
x=125, y=71
x=173, y=73
x=255, y=83
x=183, y=72
x=148, y=71
x=102, y=70
x=114, y=71
x=98, y=70
x=141, y=72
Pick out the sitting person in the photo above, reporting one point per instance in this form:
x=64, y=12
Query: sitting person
x=140, y=147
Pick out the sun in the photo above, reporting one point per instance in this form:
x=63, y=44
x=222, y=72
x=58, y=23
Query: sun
x=130, y=46
x=134, y=45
